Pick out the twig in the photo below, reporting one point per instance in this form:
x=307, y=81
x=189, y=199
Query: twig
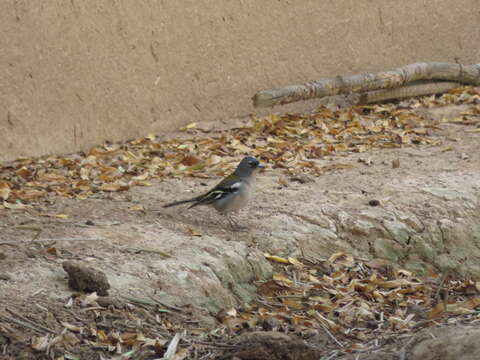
x=440, y=287
x=331, y=335
x=38, y=230
x=335, y=353
x=172, y=347
x=144, y=302
x=21, y=323
x=9, y=243
x=93, y=308
x=147, y=250
x=403, y=351
x=164, y=304
x=217, y=345
x=30, y=321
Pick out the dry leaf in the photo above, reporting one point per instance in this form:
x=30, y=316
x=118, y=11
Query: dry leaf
x=112, y=187
x=277, y=259
x=15, y=206
x=40, y=343
x=89, y=299
x=194, y=232
x=294, y=261
x=282, y=280
x=137, y=208
x=4, y=190
x=71, y=327
x=342, y=258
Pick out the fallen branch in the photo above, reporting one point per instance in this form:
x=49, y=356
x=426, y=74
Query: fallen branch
x=410, y=90
x=461, y=74
x=32, y=323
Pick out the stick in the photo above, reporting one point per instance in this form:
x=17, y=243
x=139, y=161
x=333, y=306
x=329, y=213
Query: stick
x=38, y=230
x=21, y=323
x=30, y=321
x=342, y=85
x=147, y=250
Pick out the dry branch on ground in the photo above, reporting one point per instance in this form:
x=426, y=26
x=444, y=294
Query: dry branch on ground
x=411, y=74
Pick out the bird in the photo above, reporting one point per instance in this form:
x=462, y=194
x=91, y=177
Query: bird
x=231, y=194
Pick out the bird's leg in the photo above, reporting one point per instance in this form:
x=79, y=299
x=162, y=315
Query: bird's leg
x=235, y=226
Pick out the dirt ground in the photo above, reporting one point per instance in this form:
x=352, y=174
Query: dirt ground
x=116, y=233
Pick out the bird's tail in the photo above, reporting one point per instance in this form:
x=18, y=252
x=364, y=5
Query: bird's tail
x=175, y=203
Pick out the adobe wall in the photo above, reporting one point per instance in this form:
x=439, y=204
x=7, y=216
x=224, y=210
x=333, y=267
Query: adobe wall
x=75, y=73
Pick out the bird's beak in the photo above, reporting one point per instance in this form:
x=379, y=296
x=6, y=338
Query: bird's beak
x=261, y=166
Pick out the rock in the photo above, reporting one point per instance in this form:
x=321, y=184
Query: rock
x=454, y=343
x=84, y=278
x=261, y=345
x=5, y=277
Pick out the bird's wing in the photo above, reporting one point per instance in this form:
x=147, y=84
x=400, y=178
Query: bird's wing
x=231, y=184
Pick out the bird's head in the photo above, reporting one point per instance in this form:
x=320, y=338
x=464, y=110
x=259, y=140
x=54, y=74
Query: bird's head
x=248, y=166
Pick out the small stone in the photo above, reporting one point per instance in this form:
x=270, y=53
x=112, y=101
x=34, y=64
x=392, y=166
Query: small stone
x=374, y=202
x=396, y=163
x=85, y=278
x=89, y=222
x=5, y=277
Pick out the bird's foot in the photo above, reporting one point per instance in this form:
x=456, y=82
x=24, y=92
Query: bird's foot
x=236, y=226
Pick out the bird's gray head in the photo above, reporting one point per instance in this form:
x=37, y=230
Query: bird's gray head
x=247, y=166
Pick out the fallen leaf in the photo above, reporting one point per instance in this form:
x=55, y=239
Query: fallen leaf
x=294, y=261
x=4, y=190
x=282, y=280
x=277, y=259
x=89, y=299
x=113, y=187
x=342, y=258
x=72, y=327
x=40, y=343
x=194, y=232
x=137, y=208
x=15, y=206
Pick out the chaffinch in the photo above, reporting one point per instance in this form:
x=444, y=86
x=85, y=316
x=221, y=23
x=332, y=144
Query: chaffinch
x=232, y=193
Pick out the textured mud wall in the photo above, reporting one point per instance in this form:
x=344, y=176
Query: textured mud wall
x=75, y=73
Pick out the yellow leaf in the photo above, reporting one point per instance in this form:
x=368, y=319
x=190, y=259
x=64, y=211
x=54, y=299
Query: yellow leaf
x=137, y=208
x=61, y=216
x=282, y=280
x=277, y=259
x=294, y=261
x=102, y=336
x=294, y=304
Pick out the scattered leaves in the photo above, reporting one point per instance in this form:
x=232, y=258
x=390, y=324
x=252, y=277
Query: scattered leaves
x=292, y=142
x=357, y=302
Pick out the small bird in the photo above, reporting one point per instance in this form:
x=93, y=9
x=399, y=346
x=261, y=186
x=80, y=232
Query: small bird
x=232, y=193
